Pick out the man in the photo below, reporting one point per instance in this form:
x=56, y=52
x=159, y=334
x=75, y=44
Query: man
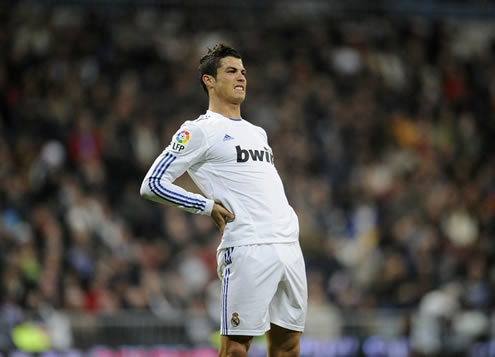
x=259, y=259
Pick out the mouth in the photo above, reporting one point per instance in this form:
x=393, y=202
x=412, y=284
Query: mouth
x=239, y=88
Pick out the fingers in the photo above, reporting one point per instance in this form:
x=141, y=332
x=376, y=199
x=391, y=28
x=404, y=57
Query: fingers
x=225, y=213
x=220, y=222
x=229, y=217
x=222, y=211
x=221, y=216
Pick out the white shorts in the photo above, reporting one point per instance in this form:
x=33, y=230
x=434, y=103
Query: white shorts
x=262, y=284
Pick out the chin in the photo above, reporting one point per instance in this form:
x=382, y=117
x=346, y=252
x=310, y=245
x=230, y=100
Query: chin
x=238, y=99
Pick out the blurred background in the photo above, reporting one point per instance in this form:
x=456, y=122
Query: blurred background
x=381, y=117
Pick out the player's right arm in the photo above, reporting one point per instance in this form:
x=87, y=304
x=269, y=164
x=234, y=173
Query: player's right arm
x=188, y=147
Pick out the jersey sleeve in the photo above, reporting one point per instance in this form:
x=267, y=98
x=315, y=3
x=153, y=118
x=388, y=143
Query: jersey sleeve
x=188, y=147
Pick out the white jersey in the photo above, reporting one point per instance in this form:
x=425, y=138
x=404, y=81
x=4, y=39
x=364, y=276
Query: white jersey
x=231, y=163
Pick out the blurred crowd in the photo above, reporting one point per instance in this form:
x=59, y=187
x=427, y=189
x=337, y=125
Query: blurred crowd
x=382, y=130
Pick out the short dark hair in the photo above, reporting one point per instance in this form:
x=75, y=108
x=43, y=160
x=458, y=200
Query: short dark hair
x=210, y=62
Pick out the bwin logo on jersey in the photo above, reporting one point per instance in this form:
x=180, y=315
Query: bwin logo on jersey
x=243, y=155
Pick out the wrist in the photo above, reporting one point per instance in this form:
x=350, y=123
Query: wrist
x=208, y=207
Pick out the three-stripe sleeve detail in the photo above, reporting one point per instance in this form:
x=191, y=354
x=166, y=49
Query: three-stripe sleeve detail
x=161, y=191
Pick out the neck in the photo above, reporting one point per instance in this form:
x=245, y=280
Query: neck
x=228, y=110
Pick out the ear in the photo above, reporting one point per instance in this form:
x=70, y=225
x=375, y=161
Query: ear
x=208, y=80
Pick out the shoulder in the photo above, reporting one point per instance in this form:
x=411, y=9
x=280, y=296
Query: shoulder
x=257, y=128
x=203, y=117
x=187, y=139
x=188, y=129
x=202, y=129
x=200, y=124
x=208, y=124
x=190, y=132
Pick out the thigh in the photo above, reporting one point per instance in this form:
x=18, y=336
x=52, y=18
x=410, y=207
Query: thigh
x=250, y=277
x=283, y=342
x=289, y=304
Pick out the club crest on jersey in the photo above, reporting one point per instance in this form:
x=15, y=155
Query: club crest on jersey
x=180, y=140
x=244, y=155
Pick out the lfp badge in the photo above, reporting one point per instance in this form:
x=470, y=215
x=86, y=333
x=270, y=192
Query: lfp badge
x=181, y=139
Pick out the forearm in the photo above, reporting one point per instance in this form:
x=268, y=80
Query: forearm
x=159, y=190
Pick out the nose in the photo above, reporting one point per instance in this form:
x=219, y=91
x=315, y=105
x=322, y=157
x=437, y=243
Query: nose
x=241, y=77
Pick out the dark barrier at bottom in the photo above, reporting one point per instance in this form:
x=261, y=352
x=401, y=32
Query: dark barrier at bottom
x=373, y=346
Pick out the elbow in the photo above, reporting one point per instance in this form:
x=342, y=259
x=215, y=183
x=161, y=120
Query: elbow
x=145, y=191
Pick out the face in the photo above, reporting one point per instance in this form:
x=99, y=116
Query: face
x=230, y=82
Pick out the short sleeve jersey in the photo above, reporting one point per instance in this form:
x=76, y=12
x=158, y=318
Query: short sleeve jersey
x=231, y=162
